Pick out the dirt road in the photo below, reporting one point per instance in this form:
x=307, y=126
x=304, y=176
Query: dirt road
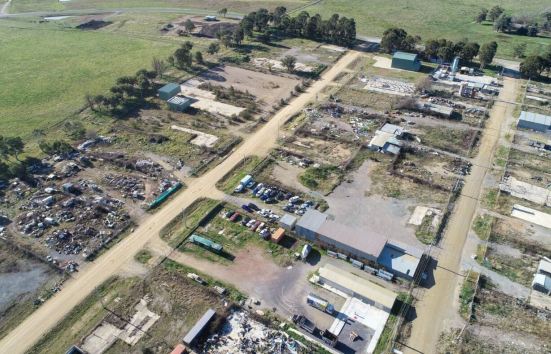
x=109, y=264
x=436, y=311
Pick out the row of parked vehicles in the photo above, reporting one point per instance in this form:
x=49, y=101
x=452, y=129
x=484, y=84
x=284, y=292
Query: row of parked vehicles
x=255, y=225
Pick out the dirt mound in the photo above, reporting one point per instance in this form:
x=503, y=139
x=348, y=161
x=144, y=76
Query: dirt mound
x=210, y=30
x=94, y=25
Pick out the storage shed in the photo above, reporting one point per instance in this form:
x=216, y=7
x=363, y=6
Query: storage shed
x=542, y=283
x=406, y=61
x=208, y=244
x=278, y=235
x=370, y=293
x=196, y=331
x=179, y=103
x=169, y=90
x=544, y=267
x=534, y=121
x=246, y=180
x=179, y=349
x=287, y=222
x=309, y=224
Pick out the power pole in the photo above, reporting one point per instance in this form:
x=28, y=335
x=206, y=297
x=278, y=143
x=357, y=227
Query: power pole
x=99, y=298
x=184, y=217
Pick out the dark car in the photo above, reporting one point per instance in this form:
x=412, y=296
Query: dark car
x=273, y=193
x=289, y=209
x=253, y=206
x=264, y=197
x=234, y=217
x=230, y=213
x=269, y=200
x=246, y=208
x=288, y=196
x=245, y=221
x=280, y=196
x=272, y=220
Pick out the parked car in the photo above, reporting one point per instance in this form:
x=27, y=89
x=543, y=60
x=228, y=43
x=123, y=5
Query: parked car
x=289, y=209
x=230, y=213
x=250, y=184
x=239, y=188
x=261, y=226
x=294, y=199
x=255, y=226
x=309, y=202
x=288, y=196
x=269, y=200
x=265, y=233
x=253, y=206
x=264, y=197
x=271, y=220
x=234, y=217
x=280, y=196
x=410, y=122
x=273, y=193
x=299, y=212
x=245, y=221
x=251, y=223
x=246, y=208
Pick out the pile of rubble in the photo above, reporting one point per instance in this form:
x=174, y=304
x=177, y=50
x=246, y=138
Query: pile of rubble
x=445, y=102
x=243, y=335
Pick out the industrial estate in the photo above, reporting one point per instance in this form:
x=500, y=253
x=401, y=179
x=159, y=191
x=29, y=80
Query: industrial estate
x=275, y=177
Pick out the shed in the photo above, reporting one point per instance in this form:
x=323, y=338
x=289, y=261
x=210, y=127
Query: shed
x=278, y=235
x=179, y=103
x=393, y=129
x=544, y=267
x=169, y=90
x=309, y=224
x=400, y=259
x=246, y=180
x=542, y=283
x=74, y=350
x=406, y=61
x=534, y=121
x=179, y=349
x=370, y=293
x=68, y=187
x=287, y=222
x=195, y=332
x=206, y=243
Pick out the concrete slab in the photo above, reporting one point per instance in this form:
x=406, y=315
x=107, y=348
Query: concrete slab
x=540, y=300
x=382, y=62
x=206, y=99
x=526, y=191
x=201, y=139
x=531, y=215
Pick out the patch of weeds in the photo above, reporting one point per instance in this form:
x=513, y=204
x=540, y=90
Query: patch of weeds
x=502, y=153
x=467, y=293
x=490, y=198
x=482, y=225
x=324, y=178
x=143, y=256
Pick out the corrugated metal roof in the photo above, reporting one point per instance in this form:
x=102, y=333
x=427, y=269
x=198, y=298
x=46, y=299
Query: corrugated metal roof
x=178, y=100
x=404, y=247
x=287, y=219
x=545, y=266
x=543, y=280
x=311, y=220
x=364, y=240
x=392, y=129
x=169, y=87
x=405, y=56
x=380, y=138
x=393, y=149
x=199, y=326
x=206, y=242
x=535, y=118
x=358, y=285
x=399, y=261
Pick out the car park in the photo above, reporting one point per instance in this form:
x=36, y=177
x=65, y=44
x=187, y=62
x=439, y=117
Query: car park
x=245, y=221
x=247, y=208
x=234, y=217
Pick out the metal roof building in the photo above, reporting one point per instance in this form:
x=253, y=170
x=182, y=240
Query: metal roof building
x=208, y=244
x=192, y=335
x=544, y=267
x=400, y=258
x=406, y=61
x=360, y=242
x=534, y=121
x=392, y=129
x=179, y=103
x=542, y=283
x=169, y=90
x=309, y=223
x=287, y=222
x=360, y=288
x=278, y=235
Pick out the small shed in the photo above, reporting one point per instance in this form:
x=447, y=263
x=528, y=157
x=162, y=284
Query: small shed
x=206, y=243
x=542, y=283
x=287, y=222
x=406, y=61
x=544, y=267
x=169, y=90
x=246, y=180
x=278, y=235
x=179, y=349
x=179, y=103
x=534, y=121
x=196, y=331
x=74, y=350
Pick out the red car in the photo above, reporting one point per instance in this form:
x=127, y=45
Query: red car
x=234, y=217
x=255, y=225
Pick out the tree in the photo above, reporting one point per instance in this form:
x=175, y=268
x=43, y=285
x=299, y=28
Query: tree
x=487, y=53
x=503, y=23
x=170, y=60
x=470, y=50
x=89, y=101
x=199, y=58
x=532, y=31
x=522, y=31
x=187, y=45
x=213, y=48
x=481, y=16
x=226, y=40
x=519, y=50
x=424, y=84
x=158, y=66
x=532, y=66
x=431, y=48
x=11, y=146
x=239, y=35
x=265, y=37
x=495, y=12
x=445, y=53
x=189, y=26
x=289, y=62
x=278, y=14
x=182, y=57
x=223, y=12
x=393, y=39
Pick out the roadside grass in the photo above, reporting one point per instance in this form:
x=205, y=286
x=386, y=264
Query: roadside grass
x=386, y=335
x=489, y=200
x=231, y=180
x=482, y=224
x=143, y=256
x=425, y=232
x=501, y=155
x=364, y=98
x=467, y=294
x=323, y=179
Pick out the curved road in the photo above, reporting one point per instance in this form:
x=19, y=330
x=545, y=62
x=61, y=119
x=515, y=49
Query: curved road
x=42, y=320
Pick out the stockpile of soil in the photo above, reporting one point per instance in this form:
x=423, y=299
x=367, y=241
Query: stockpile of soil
x=94, y=25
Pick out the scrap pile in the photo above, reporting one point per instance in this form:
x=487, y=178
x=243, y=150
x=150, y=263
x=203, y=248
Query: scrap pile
x=243, y=335
x=445, y=102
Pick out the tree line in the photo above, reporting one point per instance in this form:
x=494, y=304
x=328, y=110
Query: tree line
x=536, y=64
x=526, y=23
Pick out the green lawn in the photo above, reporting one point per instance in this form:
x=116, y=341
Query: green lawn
x=434, y=19
x=47, y=69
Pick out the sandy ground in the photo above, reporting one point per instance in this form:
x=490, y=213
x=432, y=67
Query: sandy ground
x=42, y=320
x=278, y=65
x=202, y=139
x=205, y=100
x=435, y=312
x=388, y=216
x=287, y=174
x=382, y=62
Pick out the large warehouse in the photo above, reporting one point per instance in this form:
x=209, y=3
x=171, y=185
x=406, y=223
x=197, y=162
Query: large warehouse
x=406, y=61
x=370, y=293
x=534, y=121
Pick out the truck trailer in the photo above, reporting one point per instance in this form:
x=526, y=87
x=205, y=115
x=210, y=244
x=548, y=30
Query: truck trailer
x=304, y=323
x=319, y=303
x=329, y=338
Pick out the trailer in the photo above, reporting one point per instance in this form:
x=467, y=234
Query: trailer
x=319, y=303
x=304, y=323
x=305, y=252
x=329, y=338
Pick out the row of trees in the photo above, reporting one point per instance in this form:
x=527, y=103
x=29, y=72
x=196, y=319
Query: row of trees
x=528, y=23
x=395, y=39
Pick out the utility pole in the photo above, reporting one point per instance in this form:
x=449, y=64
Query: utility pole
x=99, y=298
x=184, y=217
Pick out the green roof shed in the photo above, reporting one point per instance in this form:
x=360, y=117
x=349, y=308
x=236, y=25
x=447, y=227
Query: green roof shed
x=208, y=244
x=406, y=61
x=169, y=90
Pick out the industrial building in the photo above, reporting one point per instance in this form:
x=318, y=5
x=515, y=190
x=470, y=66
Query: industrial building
x=370, y=293
x=534, y=121
x=288, y=222
x=397, y=257
x=179, y=103
x=544, y=267
x=386, y=139
x=406, y=61
x=542, y=279
x=196, y=331
x=169, y=90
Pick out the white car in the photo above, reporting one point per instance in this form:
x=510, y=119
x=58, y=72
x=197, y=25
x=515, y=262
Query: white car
x=251, y=184
x=239, y=188
x=299, y=212
x=294, y=199
x=264, y=232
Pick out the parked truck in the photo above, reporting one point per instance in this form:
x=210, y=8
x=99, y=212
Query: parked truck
x=319, y=303
x=304, y=323
x=329, y=338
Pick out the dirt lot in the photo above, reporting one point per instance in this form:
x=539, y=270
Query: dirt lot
x=268, y=89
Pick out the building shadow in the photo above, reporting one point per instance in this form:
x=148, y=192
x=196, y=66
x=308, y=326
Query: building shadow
x=314, y=257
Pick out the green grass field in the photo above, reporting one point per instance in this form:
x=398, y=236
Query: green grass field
x=431, y=19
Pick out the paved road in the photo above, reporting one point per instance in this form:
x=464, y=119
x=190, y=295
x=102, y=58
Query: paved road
x=4, y=9
x=435, y=310
x=42, y=320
